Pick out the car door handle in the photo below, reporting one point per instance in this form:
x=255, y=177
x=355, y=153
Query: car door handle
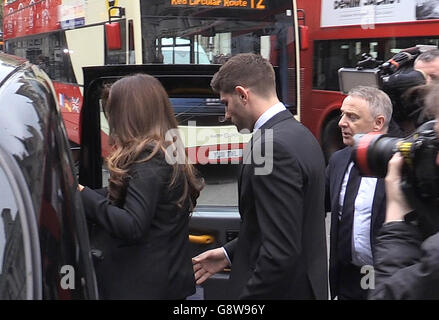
x=203, y=239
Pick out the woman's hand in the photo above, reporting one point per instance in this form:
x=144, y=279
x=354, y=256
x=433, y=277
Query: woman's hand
x=397, y=206
x=80, y=187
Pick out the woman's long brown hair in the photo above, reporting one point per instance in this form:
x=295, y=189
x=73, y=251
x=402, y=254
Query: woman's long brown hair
x=139, y=116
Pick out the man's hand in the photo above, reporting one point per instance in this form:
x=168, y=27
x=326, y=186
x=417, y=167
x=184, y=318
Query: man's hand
x=80, y=187
x=208, y=263
x=397, y=206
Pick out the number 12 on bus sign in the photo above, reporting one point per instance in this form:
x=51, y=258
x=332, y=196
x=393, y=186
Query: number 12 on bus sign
x=257, y=4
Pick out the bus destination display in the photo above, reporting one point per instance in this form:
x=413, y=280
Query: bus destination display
x=242, y=4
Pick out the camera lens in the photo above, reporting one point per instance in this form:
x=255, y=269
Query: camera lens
x=372, y=152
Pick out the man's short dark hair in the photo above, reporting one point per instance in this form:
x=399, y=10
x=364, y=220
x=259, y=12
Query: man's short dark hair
x=248, y=70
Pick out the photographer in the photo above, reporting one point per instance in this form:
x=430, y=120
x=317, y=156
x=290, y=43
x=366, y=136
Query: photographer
x=428, y=64
x=401, y=76
x=406, y=256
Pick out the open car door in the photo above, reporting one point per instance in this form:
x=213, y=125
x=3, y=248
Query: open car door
x=214, y=146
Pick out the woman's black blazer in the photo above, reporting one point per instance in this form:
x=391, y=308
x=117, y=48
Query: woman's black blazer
x=144, y=242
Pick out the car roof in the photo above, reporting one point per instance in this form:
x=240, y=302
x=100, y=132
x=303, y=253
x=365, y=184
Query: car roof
x=26, y=103
x=8, y=65
x=20, y=109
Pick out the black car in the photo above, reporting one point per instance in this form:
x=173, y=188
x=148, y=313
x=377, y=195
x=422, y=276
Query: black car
x=45, y=250
x=44, y=245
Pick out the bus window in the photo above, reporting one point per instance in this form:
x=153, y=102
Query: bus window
x=221, y=185
x=48, y=51
x=331, y=55
x=62, y=36
x=190, y=34
x=201, y=36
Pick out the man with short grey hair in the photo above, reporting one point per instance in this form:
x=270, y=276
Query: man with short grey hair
x=357, y=204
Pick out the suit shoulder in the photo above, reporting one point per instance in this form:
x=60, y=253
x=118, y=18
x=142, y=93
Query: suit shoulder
x=293, y=140
x=292, y=131
x=340, y=155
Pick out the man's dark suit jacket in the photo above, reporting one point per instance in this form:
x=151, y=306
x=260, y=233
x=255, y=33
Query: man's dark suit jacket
x=335, y=173
x=145, y=242
x=281, y=249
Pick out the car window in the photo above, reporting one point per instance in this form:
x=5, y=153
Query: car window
x=221, y=184
x=221, y=180
x=12, y=253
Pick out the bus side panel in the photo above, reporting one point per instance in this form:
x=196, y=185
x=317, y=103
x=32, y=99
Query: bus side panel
x=89, y=48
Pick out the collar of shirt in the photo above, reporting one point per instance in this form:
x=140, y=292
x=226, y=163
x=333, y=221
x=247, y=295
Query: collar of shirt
x=270, y=113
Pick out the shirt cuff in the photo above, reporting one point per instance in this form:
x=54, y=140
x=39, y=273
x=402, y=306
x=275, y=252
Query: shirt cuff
x=227, y=256
x=388, y=222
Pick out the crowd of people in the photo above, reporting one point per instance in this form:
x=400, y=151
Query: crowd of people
x=281, y=251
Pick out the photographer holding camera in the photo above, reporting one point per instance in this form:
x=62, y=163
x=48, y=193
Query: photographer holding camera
x=400, y=77
x=428, y=64
x=407, y=72
x=409, y=68
x=406, y=256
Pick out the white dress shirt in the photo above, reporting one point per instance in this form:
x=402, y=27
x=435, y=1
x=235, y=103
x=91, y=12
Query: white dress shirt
x=268, y=114
x=361, y=249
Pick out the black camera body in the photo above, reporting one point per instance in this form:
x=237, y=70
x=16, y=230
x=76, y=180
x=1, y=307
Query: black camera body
x=394, y=77
x=420, y=174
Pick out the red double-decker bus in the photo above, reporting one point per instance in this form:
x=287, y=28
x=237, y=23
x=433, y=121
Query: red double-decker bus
x=338, y=32
x=63, y=36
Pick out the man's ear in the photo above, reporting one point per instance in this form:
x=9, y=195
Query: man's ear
x=242, y=93
x=379, y=123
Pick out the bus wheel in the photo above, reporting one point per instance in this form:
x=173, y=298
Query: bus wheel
x=331, y=138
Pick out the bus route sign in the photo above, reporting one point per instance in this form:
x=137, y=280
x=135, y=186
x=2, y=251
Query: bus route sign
x=241, y=4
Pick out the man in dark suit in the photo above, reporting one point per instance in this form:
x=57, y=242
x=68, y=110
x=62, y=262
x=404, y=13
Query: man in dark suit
x=281, y=249
x=357, y=204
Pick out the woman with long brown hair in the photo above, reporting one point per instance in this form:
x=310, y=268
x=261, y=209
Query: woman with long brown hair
x=150, y=196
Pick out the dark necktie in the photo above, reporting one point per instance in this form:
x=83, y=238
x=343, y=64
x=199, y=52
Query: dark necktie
x=347, y=217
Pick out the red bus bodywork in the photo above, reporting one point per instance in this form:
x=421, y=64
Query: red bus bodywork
x=320, y=107
x=25, y=19
x=31, y=17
